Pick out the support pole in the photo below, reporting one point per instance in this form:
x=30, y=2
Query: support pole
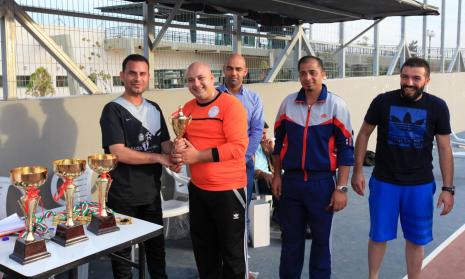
x=237, y=36
x=442, y=64
x=425, y=25
x=404, y=52
x=8, y=33
x=308, y=47
x=459, y=28
x=342, y=53
x=298, y=55
x=356, y=37
x=375, y=64
x=167, y=23
x=149, y=38
x=283, y=55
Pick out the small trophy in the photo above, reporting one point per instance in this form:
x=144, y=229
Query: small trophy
x=28, y=180
x=72, y=231
x=104, y=222
x=180, y=122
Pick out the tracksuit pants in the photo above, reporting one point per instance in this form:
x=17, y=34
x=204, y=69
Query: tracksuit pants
x=301, y=203
x=217, y=226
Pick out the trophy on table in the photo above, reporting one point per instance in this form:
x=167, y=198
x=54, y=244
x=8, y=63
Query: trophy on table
x=180, y=122
x=29, y=179
x=102, y=164
x=72, y=231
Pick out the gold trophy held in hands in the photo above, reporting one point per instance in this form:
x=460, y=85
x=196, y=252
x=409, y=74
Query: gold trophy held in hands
x=180, y=122
x=102, y=164
x=29, y=179
x=72, y=231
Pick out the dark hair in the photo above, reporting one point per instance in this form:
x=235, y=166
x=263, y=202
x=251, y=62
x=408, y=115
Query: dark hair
x=265, y=126
x=308, y=57
x=134, y=57
x=417, y=62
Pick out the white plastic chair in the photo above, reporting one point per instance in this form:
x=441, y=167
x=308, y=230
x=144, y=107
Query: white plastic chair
x=181, y=182
x=459, y=154
x=83, y=187
x=172, y=208
x=5, y=184
x=456, y=140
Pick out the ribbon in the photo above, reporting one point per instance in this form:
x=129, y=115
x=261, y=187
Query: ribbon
x=175, y=114
x=61, y=191
x=39, y=227
x=31, y=193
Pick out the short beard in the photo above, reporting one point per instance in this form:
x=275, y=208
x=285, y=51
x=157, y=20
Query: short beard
x=415, y=96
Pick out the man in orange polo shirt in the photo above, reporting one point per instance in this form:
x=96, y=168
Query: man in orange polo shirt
x=214, y=148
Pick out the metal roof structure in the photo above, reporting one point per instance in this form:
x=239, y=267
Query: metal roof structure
x=288, y=12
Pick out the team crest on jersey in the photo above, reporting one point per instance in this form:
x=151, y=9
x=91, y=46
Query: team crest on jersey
x=141, y=137
x=213, y=111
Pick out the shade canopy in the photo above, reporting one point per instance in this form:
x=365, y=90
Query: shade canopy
x=288, y=12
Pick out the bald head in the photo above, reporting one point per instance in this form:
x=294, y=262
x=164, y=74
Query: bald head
x=234, y=72
x=199, y=64
x=201, y=82
x=236, y=58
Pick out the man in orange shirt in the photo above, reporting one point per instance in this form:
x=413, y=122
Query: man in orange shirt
x=214, y=147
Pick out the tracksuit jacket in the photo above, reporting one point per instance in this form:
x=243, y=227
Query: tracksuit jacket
x=314, y=138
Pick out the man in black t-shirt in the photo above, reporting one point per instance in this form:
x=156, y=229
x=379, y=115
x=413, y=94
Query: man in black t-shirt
x=134, y=129
x=402, y=183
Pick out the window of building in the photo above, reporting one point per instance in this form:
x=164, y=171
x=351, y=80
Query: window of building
x=117, y=81
x=22, y=81
x=62, y=81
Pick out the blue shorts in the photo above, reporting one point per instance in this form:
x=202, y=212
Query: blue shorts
x=414, y=205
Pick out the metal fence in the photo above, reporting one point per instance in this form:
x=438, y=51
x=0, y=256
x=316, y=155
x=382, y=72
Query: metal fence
x=98, y=34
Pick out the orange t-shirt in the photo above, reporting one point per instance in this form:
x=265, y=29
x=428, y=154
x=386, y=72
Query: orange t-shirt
x=220, y=124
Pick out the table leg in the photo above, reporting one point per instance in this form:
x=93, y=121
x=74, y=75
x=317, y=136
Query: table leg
x=141, y=260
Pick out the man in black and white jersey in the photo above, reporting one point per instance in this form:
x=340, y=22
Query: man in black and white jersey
x=133, y=128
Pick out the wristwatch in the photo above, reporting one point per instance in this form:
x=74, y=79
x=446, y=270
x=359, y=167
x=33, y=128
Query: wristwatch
x=342, y=188
x=450, y=189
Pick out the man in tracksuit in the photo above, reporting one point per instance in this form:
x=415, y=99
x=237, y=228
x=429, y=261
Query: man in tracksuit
x=313, y=140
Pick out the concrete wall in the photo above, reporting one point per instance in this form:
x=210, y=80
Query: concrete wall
x=36, y=132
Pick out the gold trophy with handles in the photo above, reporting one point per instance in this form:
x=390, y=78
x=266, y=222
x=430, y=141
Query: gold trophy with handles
x=180, y=122
x=29, y=179
x=72, y=231
x=102, y=164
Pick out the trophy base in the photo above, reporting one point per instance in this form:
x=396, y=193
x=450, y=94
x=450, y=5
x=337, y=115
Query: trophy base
x=66, y=236
x=29, y=251
x=101, y=225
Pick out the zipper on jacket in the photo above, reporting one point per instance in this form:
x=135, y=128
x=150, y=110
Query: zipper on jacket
x=304, y=143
